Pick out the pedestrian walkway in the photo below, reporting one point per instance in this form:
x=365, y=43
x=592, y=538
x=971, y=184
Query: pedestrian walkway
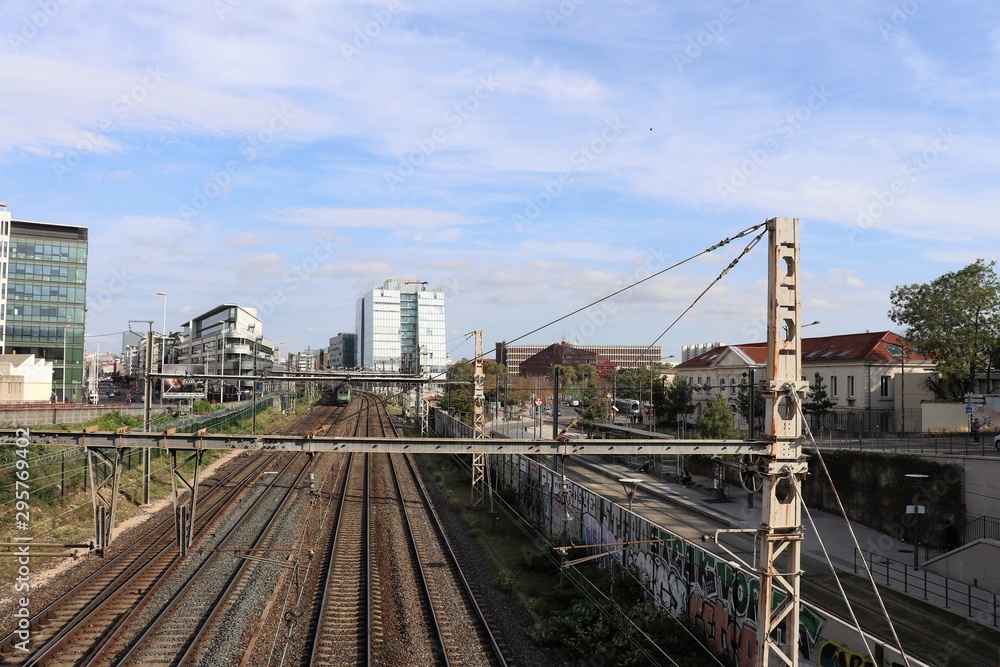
x=889, y=559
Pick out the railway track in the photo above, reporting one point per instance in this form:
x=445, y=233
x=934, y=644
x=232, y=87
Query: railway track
x=183, y=625
x=461, y=628
x=360, y=573
x=120, y=584
x=343, y=628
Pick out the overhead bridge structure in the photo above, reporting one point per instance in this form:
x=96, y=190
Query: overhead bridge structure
x=775, y=462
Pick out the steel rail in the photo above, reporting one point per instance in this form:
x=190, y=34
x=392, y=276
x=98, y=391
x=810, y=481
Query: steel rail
x=146, y=633
x=141, y=562
x=415, y=552
x=318, y=653
x=485, y=633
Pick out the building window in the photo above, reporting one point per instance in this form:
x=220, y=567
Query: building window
x=850, y=386
x=732, y=386
x=884, y=386
x=833, y=385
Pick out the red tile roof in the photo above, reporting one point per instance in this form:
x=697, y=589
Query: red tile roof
x=869, y=346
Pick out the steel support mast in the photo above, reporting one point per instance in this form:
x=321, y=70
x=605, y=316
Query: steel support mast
x=783, y=468
x=480, y=471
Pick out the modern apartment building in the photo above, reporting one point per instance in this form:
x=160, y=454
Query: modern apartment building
x=229, y=340
x=401, y=328
x=622, y=357
x=43, y=297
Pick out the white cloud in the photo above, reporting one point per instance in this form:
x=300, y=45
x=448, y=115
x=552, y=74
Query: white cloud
x=386, y=218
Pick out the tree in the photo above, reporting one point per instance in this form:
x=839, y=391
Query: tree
x=956, y=320
x=742, y=406
x=716, y=422
x=678, y=399
x=494, y=384
x=818, y=402
x=458, y=395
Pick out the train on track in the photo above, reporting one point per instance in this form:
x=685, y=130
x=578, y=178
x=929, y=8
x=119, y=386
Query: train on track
x=627, y=406
x=342, y=394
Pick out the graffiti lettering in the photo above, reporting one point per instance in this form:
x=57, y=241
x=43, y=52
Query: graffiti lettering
x=832, y=654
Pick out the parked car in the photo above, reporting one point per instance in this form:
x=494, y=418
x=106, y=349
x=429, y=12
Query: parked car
x=95, y=398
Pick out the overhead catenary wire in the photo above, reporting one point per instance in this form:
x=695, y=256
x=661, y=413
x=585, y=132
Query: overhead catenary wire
x=724, y=242
x=732, y=264
x=720, y=244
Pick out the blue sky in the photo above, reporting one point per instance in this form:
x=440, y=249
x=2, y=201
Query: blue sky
x=530, y=157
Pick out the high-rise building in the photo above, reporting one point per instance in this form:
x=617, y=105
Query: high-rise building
x=44, y=297
x=401, y=328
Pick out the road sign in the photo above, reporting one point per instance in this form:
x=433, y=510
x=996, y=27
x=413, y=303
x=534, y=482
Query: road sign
x=968, y=409
x=538, y=401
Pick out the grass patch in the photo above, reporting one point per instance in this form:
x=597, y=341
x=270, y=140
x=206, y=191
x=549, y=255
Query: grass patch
x=59, y=496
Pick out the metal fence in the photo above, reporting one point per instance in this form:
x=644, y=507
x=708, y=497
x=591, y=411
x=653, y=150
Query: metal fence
x=219, y=419
x=985, y=527
x=937, y=589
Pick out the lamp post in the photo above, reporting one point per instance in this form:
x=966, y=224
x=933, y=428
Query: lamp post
x=256, y=351
x=916, y=510
x=629, y=485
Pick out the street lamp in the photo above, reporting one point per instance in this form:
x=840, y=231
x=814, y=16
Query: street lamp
x=916, y=510
x=629, y=485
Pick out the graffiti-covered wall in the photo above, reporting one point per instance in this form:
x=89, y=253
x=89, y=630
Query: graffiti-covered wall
x=683, y=577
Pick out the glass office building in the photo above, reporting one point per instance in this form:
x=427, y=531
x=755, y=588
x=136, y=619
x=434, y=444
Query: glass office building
x=45, y=296
x=401, y=328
